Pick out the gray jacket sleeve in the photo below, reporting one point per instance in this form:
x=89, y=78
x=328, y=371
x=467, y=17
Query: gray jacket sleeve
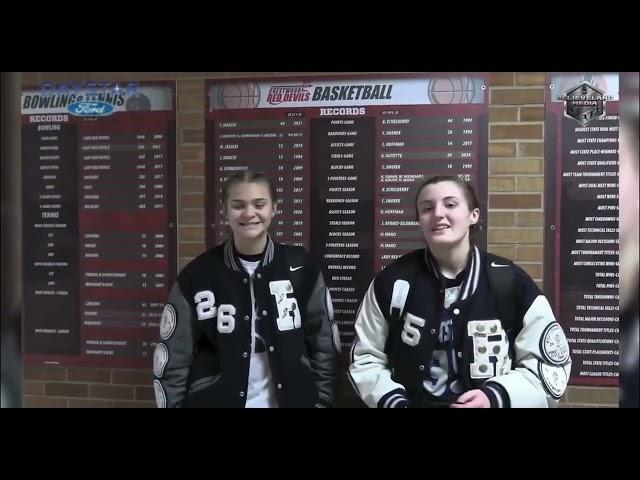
x=323, y=342
x=174, y=352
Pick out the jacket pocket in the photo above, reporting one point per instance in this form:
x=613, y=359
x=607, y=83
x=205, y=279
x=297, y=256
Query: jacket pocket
x=204, y=383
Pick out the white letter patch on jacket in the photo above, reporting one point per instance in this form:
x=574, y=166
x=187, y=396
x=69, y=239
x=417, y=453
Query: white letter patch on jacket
x=490, y=348
x=288, y=311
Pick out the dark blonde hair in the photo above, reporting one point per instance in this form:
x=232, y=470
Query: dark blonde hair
x=248, y=176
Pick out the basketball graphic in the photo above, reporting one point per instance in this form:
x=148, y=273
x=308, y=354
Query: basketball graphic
x=138, y=102
x=451, y=90
x=236, y=95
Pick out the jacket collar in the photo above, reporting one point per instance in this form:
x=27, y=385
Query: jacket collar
x=231, y=261
x=470, y=283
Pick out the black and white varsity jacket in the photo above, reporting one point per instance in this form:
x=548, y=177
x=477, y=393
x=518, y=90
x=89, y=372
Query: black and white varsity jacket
x=525, y=364
x=202, y=358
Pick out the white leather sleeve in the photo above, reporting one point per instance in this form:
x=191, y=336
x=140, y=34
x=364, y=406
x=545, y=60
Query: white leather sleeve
x=369, y=373
x=542, y=364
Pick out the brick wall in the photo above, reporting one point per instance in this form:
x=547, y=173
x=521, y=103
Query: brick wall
x=76, y=387
x=516, y=163
x=515, y=218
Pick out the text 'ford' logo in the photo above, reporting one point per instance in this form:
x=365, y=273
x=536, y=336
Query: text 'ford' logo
x=93, y=109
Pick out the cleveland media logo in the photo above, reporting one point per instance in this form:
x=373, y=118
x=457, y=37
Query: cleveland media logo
x=585, y=103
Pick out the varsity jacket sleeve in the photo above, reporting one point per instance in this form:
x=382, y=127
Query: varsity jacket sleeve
x=174, y=352
x=542, y=363
x=323, y=342
x=369, y=372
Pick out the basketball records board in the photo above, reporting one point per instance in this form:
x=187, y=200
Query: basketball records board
x=346, y=155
